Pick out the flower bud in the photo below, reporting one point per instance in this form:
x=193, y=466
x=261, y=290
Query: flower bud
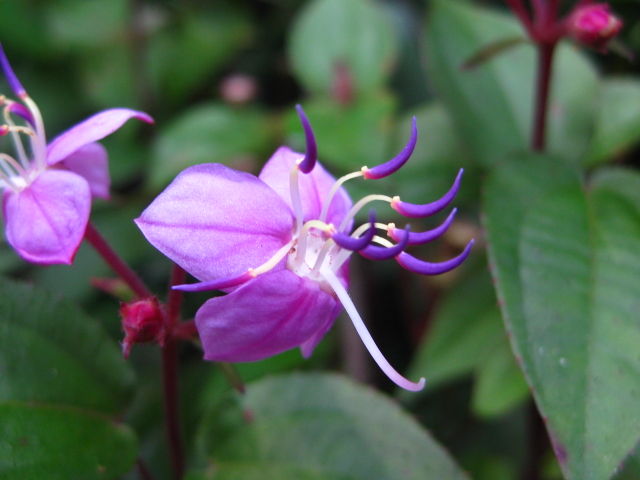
x=594, y=25
x=142, y=321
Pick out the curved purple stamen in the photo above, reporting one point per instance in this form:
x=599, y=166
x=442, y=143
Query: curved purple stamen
x=311, y=152
x=426, y=268
x=384, y=253
x=22, y=111
x=13, y=81
x=356, y=244
x=420, y=238
x=393, y=165
x=215, y=284
x=413, y=210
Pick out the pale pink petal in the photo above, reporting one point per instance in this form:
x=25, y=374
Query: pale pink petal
x=46, y=221
x=91, y=130
x=273, y=313
x=216, y=222
x=314, y=186
x=91, y=162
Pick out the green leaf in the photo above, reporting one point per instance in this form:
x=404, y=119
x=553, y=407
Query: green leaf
x=210, y=36
x=620, y=180
x=322, y=426
x=208, y=133
x=87, y=24
x=348, y=137
x=59, y=443
x=499, y=384
x=61, y=378
x=492, y=105
x=566, y=264
x=355, y=34
x=618, y=121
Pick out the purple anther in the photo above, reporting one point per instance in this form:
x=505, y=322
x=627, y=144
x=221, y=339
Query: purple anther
x=311, y=152
x=21, y=111
x=426, y=268
x=215, y=284
x=413, y=210
x=356, y=244
x=396, y=162
x=13, y=81
x=4, y=129
x=384, y=253
x=420, y=238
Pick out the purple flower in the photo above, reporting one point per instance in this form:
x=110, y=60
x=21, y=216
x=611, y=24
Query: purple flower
x=47, y=189
x=280, y=244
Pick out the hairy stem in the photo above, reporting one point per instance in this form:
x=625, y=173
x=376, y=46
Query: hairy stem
x=543, y=87
x=118, y=265
x=170, y=375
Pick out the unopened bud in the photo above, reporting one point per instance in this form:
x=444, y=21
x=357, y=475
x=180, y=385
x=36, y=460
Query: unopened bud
x=594, y=25
x=142, y=322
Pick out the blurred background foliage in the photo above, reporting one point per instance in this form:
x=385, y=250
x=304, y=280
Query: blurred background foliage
x=221, y=79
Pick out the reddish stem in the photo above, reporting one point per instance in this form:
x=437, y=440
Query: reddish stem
x=118, y=265
x=521, y=11
x=543, y=86
x=170, y=374
x=143, y=471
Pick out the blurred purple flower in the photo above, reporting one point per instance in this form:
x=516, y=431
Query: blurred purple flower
x=280, y=244
x=47, y=189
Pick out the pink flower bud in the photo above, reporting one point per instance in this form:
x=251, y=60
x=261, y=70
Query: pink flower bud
x=594, y=25
x=142, y=321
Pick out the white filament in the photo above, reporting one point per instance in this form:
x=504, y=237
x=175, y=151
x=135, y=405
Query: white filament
x=365, y=336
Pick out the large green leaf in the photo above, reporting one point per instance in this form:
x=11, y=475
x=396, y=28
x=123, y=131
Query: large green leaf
x=618, y=120
x=355, y=34
x=211, y=35
x=57, y=443
x=208, y=133
x=492, y=105
x=61, y=379
x=319, y=426
x=566, y=263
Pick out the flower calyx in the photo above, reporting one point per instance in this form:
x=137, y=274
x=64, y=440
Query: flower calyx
x=142, y=322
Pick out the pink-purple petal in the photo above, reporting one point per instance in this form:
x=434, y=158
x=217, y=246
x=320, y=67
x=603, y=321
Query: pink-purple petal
x=46, y=221
x=216, y=222
x=91, y=162
x=273, y=313
x=91, y=130
x=314, y=186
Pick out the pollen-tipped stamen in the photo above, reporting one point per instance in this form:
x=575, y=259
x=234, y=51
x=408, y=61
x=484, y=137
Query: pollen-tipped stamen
x=311, y=151
x=366, y=338
x=420, y=238
x=427, y=268
x=413, y=210
x=393, y=165
x=384, y=253
x=355, y=243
